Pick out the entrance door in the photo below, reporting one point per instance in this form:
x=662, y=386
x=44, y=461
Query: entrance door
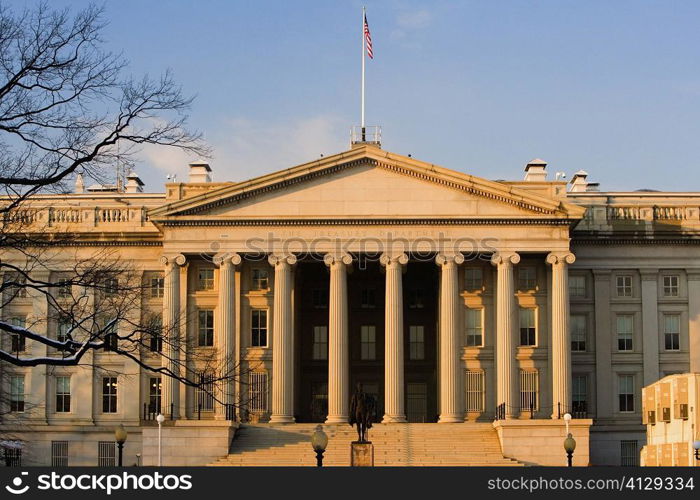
x=319, y=401
x=417, y=402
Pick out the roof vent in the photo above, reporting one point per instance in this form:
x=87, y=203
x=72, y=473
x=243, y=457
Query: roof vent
x=200, y=172
x=536, y=171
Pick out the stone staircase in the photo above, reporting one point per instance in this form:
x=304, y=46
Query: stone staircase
x=463, y=444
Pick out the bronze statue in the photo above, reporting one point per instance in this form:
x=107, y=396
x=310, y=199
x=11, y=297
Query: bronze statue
x=362, y=409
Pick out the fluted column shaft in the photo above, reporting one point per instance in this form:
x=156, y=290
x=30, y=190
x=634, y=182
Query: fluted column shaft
x=451, y=394
x=393, y=343
x=506, y=374
x=338, y=340
x=225, y=335
x=283, y=341
x=561, y=336
x=170, y=392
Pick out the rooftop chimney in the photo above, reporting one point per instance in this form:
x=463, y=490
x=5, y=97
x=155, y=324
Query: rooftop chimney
x=200, y=172
x=536, y=171
x=578, y=182
x=79, y=184
x=134, y=184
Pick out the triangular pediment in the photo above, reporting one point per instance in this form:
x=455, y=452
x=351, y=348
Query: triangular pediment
x=365, y=183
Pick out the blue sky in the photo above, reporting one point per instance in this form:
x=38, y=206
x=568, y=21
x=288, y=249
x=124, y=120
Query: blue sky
x=612, y=87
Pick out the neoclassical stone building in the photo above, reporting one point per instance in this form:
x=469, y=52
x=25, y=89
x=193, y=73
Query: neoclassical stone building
x=450, y=297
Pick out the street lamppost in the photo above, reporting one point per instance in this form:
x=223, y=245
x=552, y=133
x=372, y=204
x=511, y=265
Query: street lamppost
x=569, y=442
x=569, y=447
x=319, y=441
x=120, y=436
x=696, y=447
x=160, y=419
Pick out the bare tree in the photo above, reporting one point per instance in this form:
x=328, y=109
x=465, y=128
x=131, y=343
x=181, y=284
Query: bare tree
x=66, y=107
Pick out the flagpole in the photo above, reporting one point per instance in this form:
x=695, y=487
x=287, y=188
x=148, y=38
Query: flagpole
x=362, y=116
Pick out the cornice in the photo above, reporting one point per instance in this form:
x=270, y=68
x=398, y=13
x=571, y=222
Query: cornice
x=369, y=222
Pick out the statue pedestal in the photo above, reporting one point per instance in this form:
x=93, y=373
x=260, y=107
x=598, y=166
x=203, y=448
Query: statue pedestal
x=361, y=454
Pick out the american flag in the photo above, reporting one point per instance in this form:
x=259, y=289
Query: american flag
x=368, y=40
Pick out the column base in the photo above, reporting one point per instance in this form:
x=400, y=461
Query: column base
x=337, y=419
x=394, y=419
x=450, y=419
x=282, y=419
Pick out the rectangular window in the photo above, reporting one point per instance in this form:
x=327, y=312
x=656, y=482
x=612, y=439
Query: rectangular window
x=18, y=342
x=529, y=389
x=527, y=278
x=577, y=286
x=63, y=329
x=260, y=279
x=63, y=394
x=111, y=286
x=626, y=393
x=319, y=298
x=259, y=327
x=475, y=327
x=205, y=329
x=106, y=454
x=59, y=453
x=204, y=392
x=155, y=333
x=416, y=299
x=320, y=345
x=671, y=286
x=16, y=285
x=475, y=391
x=579, y=396
x=17, y=393
x=368, y=342
x=13, y=457
x=528, y=327
x=367, y=298
x=629, y=453
x=109, y=395
x=155, y=389
x=257, y=392
x=65, y=288
x=578, y=332
x=157, y=286
x=416, y=342
x=205, y=279
x=625, y=332
x=624, y=286
x=672, y=332
x=473, y=279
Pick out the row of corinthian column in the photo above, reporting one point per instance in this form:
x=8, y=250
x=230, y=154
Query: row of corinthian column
x=450, y=338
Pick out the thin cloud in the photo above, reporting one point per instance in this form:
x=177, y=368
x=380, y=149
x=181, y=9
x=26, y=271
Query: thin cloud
x=408, y=23
x=245, y=148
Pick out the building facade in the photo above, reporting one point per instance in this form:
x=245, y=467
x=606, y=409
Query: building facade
x=449, y=297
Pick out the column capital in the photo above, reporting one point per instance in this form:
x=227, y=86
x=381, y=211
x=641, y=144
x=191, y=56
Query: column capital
x=400, y=258
x=337, y=258
x=505, y=257
x=560, y=258
x=693, y=274
x=178, y=260
x=224, y=257
x=447, y=258
x=277, y=258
